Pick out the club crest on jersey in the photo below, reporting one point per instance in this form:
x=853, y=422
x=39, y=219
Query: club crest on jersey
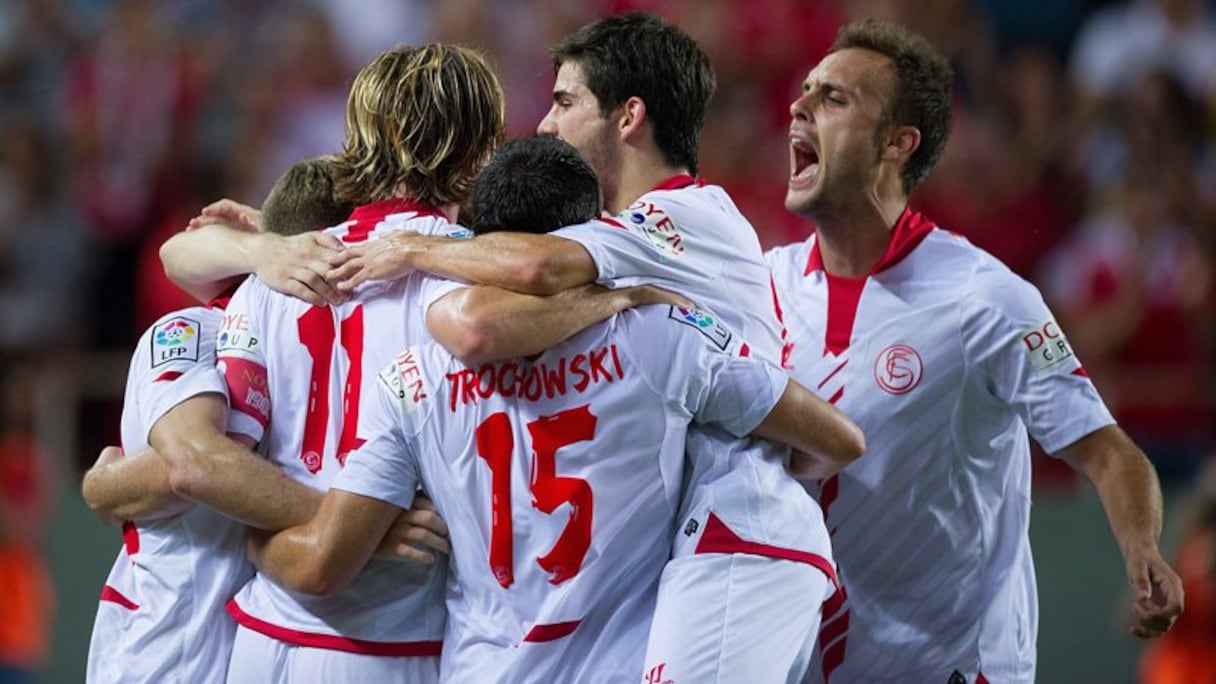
x=236, y=334
x=656, y=226
x=898, y=369
x=705, y=323
x=1046, y=345
x=403, y=379
x=175, y=340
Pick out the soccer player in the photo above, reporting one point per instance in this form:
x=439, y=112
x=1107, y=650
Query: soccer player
x=631, y=93
x=603, y=416
x=161, y=613
x=946, y=359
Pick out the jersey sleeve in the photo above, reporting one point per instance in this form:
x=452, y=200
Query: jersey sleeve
x=1012, y=338
x=242, y=360
x=689, y=357
x=386, y=466
x=434, y=289
x=175, y=360
x=642, y=242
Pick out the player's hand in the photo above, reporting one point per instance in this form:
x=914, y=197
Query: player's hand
x=230, y=213
x=642, y=295
x=107, y=456
x=1158, y=596
x=297, y=265
x=383, y=259
x=414, y=532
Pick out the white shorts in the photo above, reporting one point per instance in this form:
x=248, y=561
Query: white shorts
x=259, y=659
x=734, y=618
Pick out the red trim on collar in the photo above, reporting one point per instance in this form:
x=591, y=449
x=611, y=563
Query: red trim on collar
x=221, y=302
x=682, y=180
x=911, y=228
x=377, y=211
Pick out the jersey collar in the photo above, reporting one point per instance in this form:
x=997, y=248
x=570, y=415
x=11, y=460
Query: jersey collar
x=911, y=228
x=677, y=182
x=378, y=211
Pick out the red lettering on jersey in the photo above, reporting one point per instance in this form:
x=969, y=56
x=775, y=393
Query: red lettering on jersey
x=547, y=380
x=655, y=675
x=597, y=365
x=235, y=321
x=555, y=381
x=651, y=209
x=505, y=388
x=576, y=367
x=248, y=389
x=411, y=376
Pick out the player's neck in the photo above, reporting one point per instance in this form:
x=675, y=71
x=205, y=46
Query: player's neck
x=853, y=238
x=640, y=173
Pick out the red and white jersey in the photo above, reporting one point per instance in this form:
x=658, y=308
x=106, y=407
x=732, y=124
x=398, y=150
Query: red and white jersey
x=296, y=374
x=944, y=358
x=162, y=617
x=689, y=237
x=559, y=478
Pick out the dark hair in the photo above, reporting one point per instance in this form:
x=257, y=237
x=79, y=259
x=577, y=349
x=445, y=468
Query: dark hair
x=302, y=199
x=638, y=54
x=921, y=96
x=534, y=185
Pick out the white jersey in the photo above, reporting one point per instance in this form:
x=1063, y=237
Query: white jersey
x=690, y=237
x=559, y=478
x=297, y=374
x=944, y=358
x=162, y=617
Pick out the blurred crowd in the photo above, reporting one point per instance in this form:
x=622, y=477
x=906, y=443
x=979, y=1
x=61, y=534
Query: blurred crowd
x=1082, y=155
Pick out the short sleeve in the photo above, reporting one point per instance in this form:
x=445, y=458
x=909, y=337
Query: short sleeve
x=434, y=289
x=643, y=242
x=242, y=360
x=386, y=466
x=1012, y=338
x=175, y=360
x=693, y=360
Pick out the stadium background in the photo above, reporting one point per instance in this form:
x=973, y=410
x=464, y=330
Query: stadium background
x=1082, y=155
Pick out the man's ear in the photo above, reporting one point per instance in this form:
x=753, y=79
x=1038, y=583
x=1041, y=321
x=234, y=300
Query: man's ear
x=901, y=142
x=631, y=117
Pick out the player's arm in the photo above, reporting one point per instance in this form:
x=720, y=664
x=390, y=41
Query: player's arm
x=323, y=555
x=209, y=467
x=520, y=262
x=824, y=439
x=213, y=258
x=130, y=487
x=482, y=324
x=1131, y=495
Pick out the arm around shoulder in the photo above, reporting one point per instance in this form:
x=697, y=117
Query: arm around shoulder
x=824, y=439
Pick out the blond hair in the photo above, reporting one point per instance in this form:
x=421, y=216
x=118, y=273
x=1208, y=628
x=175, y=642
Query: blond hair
x=420, y=121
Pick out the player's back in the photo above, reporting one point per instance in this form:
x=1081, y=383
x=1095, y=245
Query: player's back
x=559, y=477
x=297, y=374
x=162, y=617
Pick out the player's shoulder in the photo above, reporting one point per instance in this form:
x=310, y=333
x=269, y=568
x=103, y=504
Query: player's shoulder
x=185, y=335
x=791, y=258
x=413, y=379
x=661, y=327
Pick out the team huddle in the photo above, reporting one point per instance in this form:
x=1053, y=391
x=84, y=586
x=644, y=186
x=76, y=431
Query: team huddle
x=592, y=432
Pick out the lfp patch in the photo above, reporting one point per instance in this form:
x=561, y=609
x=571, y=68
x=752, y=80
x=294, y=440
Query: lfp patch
x=705, y=323
x=175, y=340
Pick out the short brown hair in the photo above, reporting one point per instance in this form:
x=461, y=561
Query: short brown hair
x=424, y=119
x=302, y=199
x=639, y=54
x=921, y=97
